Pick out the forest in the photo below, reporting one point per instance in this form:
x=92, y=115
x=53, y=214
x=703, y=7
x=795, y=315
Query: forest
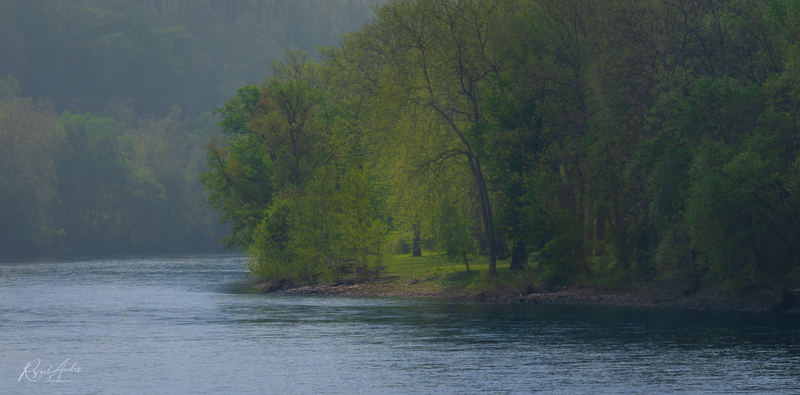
x=587, y=142
x=106, y=105
x=583, y=142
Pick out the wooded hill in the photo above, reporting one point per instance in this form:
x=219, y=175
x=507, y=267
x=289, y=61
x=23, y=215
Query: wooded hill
x=105, y=106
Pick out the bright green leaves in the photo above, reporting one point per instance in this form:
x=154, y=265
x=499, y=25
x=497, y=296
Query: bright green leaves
x=285, y=124
x=332, y=229
x=237, y=111
x=240, y=172
x=455, y=233
x=271, y=255
x=427, y=66
x=302, y=205
x=600, y=139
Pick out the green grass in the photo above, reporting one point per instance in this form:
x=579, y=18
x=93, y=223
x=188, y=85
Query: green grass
x=434, y=271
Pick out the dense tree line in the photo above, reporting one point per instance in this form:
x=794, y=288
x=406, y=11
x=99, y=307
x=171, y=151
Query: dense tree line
x=88, y=54
x=586, y=141
x=93, y=184
x=105, y=106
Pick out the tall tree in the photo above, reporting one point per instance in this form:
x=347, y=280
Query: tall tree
x=438, y=56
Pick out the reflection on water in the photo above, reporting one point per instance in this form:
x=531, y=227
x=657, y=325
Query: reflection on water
x=190, y=324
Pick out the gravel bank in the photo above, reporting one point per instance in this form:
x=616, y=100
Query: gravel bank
x=639, y=296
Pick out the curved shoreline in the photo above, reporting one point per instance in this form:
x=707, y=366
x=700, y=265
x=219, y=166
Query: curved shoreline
x=635, y=296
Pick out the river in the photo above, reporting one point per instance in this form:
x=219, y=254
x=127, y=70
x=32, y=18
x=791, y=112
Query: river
x=189, y=324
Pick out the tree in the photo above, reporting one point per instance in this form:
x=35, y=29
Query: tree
x=437, y=56
x=93, y=169
x=309, y=207
x=240, y=172
x=29, y=137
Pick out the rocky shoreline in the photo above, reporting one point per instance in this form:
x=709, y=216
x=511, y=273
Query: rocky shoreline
x=787, y=302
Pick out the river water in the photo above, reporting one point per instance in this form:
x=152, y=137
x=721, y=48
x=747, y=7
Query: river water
x=190, y=325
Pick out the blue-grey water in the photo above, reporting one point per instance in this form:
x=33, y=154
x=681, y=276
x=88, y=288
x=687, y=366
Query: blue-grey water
x=188, y=325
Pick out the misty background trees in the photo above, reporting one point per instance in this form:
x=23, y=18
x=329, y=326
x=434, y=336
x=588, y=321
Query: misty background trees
x=105, y=107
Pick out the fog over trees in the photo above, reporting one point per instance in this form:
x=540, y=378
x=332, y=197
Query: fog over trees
x=105, y=107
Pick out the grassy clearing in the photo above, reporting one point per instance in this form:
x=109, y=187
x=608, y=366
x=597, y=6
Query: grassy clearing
x=434, y=272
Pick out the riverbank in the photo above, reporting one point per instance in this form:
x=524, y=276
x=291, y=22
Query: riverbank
x=439, y=282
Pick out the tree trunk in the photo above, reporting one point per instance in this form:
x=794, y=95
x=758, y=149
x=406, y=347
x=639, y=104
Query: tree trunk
x=502, y=251
x=621, y=241
x=486, y=213
x=582, y=223
x=519, y=257
x=416, y=249
x=601, y=232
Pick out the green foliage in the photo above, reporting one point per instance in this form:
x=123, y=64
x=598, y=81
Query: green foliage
x=84, y=54
x=92, y=184
x=455, y=233
x=125, y=178
x=328, y=231
x=363, y=230
x=271, y=255
x=29, y=138
x=552, y=232
x=239, y=175
x=599, y=139
x=301, y=206
x=237, y=111
x=92, y=169
x=9, y=89
x=741, y=215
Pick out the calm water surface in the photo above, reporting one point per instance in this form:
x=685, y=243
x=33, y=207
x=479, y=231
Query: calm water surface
x=188, y=325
